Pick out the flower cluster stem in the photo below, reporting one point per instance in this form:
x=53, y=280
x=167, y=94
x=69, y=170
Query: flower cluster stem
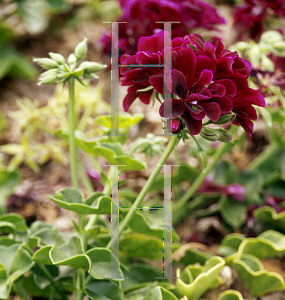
x=171, y=145
x=178, y=211
x=72, y=126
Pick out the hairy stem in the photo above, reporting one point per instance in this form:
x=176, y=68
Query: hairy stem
x=72, y=126
x=171, y=145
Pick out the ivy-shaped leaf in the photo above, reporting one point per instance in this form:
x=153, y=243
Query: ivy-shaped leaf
x=72, y=199
x=96, y=261
x=104, y=290
x=268, y=244
x=134, y=245
x=14, y=224
x=230, y=295
x=199, y=279
x=139, y=274
x=160, y=293
x=259, y=281
x=230, y=244
x=14, y=262
x=139, y=223
x=269, y=216
x=8, y=181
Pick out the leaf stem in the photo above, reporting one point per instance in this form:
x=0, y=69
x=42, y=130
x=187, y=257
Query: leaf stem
x=21, y=291
x=178, y=211
x=52, y=281
x=72, y=126
x=172, y=143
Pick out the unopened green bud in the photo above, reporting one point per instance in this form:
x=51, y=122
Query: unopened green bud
x=224, y=119
x=254, y=55
x=208, y=134
x=92, y=67
x=46, y=63
x=71, y=60
x=241, y=46
x=223, y=136
x=48, y=79
x=81, y=50
x=270, y=37
x=280, y=46
x=202, y=158
x=58, y=58
x=267, y=64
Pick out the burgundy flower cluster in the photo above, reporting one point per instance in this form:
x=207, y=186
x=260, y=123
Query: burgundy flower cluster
x=249, y=18
x=205, y=81
x=141, y=18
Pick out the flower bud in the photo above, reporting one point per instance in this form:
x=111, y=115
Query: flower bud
x=270, y=37
x=225, y=119
x=81, y=50
x=223, y=136
x=267, y=64
x=46, y=63
x=241, y=46
x=71, y=60
x=58, y=58
x=174, y=125
x=280, y=46
x=254, y=55
x=48, y=79
x=208, y=134
x=202, y=158
x=91, y=67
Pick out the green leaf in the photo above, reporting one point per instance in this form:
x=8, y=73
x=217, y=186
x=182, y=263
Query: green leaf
x=267, y=245
x=134, y=245
x=139, y=223
x=104, y=290
x=8, y=181
x=72, y=199
x=140, y=273
x=232, y=211
x=269, y=215
x=230, y=244
x=100, y=267
x=14, y=262
x=259, y=281
x=159, y=293
x=199, y=279
x=230, y=295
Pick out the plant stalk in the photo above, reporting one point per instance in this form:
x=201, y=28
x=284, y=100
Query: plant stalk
x=52, y=281
x=72, y=126
x=178, y=211
x=21, y=291
x=172, y=143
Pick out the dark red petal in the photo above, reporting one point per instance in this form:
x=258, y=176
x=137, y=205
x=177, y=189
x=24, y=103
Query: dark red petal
x=177, y=106
x=210, y=50
x=231, y=89
x=194, y=126
x=212, y=110
x=198, y=97
x=179, y=84
x=196, y=40
x=245, y=123
x=184, y=61
x=217, y=90
x=203, y=63
x=152, y=43
x=147, y=58
x=157, y=82
x=145, y=96
x=205, y=78
x=129, y=98
x=225, y=104
x=198, y=113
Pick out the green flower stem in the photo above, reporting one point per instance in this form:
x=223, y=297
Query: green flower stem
x=271, y=149
x=178, y=211
x=172, y=143
x=72, y=126
x=85, y=180
x=21, y=291
x=80, y=285
x=51, y=280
